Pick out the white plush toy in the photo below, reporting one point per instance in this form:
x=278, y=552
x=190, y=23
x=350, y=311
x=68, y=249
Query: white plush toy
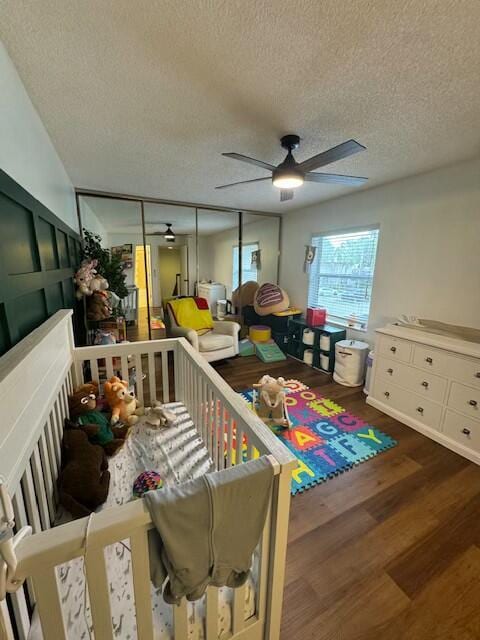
x=159, y=416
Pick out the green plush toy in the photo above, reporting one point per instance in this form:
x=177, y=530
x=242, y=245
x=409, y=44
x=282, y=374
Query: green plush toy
x=83, y=412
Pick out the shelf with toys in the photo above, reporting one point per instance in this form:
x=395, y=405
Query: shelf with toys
x=314, y=345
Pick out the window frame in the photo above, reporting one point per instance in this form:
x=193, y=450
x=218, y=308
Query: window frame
x=340, y=320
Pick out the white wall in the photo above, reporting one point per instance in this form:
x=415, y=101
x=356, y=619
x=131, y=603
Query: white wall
x=26, y=152
x=428, y=261
x=91, y=222
x=216, y=260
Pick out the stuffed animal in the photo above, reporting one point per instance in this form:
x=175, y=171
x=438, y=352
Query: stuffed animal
x=83, y=278
x=270, y=298
x=244, y=295
x=270, y=404
x=84, y=479
x=123, y=404
x=160, y=416
x=85, y=416
x=98, y=306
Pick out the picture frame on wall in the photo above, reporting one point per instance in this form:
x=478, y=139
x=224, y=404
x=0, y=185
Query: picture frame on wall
x=125, y=252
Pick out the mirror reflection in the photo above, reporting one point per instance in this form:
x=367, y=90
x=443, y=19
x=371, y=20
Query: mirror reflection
x=154, y=253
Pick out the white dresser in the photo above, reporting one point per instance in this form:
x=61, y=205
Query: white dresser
x=430, y=383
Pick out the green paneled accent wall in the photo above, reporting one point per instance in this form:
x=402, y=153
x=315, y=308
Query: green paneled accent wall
x=38, y=257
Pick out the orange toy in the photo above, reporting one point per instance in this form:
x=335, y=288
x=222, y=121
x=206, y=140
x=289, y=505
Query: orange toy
x=122, y=402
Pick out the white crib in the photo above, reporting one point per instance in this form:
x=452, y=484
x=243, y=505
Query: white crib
x=35, y=378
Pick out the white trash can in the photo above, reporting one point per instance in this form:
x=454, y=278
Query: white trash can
x=368, y=374
x=350, y=357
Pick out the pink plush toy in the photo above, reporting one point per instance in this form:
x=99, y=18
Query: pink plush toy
x=87, y=279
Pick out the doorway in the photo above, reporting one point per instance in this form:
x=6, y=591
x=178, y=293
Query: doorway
x=170, y=272
x=141, y=278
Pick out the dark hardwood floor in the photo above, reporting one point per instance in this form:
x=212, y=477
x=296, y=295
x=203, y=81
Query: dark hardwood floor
x=389, y=550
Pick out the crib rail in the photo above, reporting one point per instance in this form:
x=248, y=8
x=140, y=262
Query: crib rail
x=46, y=369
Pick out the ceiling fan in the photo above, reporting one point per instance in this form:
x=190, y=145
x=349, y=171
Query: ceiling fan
x=168, y=235
x=290, y=174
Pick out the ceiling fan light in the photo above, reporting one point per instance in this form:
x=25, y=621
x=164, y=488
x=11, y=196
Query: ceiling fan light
x=169, y=235
x=287, y=180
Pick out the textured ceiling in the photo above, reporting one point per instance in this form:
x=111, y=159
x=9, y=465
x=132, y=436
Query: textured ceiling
x=142, y=97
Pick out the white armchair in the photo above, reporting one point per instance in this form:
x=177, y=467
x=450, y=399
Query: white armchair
x=219, y=343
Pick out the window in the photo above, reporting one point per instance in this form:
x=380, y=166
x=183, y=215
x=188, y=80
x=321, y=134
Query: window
x=341, y=275
x=248, y=273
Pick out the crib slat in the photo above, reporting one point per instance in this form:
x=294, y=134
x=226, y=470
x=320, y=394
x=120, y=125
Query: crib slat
x=6, y=630
x=124, y=365
x=152, y=378
x=180, y=620
x=230, y=426
x=139, y=377
x=40, y=488
x=78, y=370
x=239, y=443
x=261, y=591
x=49, y=484
x=216, y=428
x=109, y=366
x=211, y=622
x=141, y=585
x=238, y=609
x=94, y=370
x=20, y=613
x=48, y=604
x=50, y=437
x=64, y=395
x=165, y=383
x=60, y=416
x=31, y=503
x=97, y=581
x=21, y=520
x=210, y=421
x=55, y=433
x=70, y=382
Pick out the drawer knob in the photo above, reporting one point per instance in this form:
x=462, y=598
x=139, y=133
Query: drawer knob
x=393, y=349
x=387, y=394
x=390, y=371
x=429, y=360
x=477, y=375
x=425, y=384
x=466, y=431
x=420, y=409
x=472, y=403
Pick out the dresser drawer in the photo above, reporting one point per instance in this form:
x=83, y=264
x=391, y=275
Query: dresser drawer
x=464, y=430
x=395, y=348
x=465, y=399
x=425, y=384
x=449, y=364
x=408, y=403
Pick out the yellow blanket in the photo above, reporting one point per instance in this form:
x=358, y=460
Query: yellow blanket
x=188, y=315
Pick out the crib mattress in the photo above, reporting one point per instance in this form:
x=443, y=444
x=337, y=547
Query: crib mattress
x=178, y=454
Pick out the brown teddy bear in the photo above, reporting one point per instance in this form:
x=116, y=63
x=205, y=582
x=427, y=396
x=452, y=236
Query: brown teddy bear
x=83, y=412
x=84, y=479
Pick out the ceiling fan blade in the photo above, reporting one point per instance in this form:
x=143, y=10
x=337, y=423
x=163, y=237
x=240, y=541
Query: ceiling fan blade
x=332, y=155
x=286, y=194
x=257, y=163
x=333, y=178
x=233, y=184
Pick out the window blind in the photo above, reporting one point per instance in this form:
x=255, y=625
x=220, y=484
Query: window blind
x=247, y=272
x=341, y=276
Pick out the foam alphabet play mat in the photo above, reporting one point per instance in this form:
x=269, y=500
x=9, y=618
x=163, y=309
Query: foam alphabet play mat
x=325, y=438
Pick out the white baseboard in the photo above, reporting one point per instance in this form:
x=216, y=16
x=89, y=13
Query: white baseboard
x=433, y=434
